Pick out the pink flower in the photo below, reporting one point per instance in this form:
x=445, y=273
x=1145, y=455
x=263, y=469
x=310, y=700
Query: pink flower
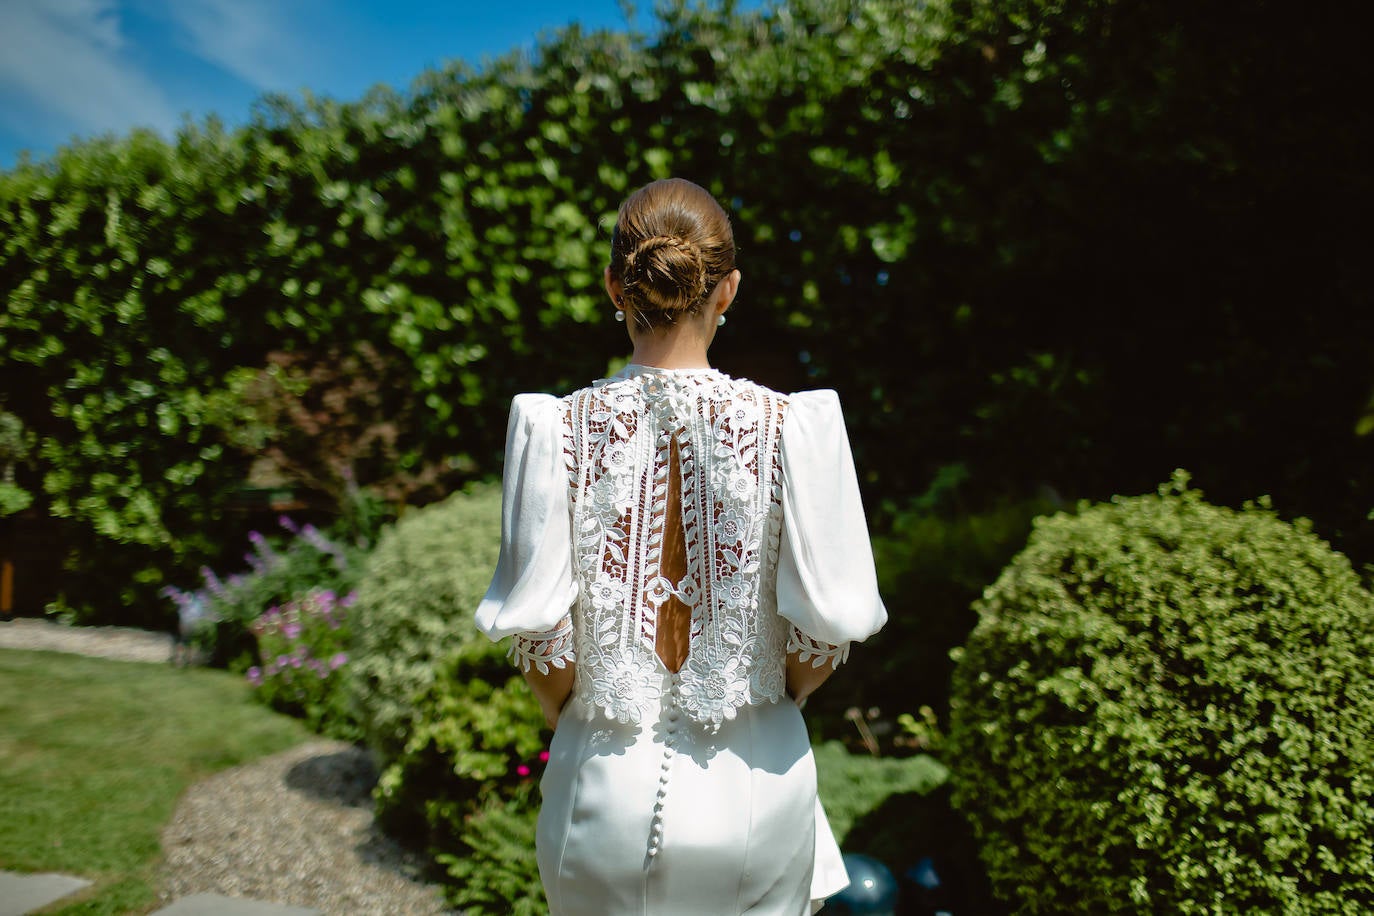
x=338, y=661
x=543, y=756
x=255, y=676
x=522, y=770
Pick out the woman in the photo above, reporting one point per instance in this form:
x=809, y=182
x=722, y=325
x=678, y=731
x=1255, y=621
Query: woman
x=684, y=559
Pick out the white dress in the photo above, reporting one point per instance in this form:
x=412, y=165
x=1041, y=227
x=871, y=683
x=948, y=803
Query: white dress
x=691, y=791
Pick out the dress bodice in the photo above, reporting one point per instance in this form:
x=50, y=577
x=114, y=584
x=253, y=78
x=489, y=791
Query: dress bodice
x=715, y=466
x=621, y=436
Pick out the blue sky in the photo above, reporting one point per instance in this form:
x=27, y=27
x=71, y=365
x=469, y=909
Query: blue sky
x=77, y=68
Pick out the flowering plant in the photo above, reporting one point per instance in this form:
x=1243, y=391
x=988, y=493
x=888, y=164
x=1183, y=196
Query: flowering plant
x=303, y=644
x=216, y=618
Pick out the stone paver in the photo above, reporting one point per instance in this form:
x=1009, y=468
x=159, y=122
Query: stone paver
x=20, y=894
x=218, y=905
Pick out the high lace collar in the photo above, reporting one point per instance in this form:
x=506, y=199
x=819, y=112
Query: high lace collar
x=636, y=370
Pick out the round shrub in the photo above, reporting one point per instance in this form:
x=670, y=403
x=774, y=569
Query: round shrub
x=1168, y=707
x=415, y=604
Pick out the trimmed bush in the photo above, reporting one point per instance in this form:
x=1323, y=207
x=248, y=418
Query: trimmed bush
x=1167, y=707
x=415, y=605
x=460, y=737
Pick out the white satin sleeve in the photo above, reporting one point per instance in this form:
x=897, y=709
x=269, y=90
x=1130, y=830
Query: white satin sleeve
x=827, y=585
x=533, y=588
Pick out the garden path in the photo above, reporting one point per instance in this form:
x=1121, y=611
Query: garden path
x=295, y=828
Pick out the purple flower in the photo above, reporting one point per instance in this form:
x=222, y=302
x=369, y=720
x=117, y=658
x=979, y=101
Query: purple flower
x=349, y=599
x=212, y=581
x=338, y=661
x=263, y=556
x=255, y=676
x=286, y=522
x=291, y=630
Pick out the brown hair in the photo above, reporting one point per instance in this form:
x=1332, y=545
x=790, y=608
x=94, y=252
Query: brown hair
x=672, y=244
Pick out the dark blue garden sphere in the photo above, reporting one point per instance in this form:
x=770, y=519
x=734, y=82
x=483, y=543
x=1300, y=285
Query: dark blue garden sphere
x=872, y=889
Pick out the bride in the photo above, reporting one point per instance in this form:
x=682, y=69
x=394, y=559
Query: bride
x=684, y=558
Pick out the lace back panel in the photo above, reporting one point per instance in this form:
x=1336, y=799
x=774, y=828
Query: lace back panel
x=675, y=485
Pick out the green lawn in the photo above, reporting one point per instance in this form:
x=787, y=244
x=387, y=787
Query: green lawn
x=94, y=754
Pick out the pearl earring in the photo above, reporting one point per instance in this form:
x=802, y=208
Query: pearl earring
x=619, y=314
x=720, y=320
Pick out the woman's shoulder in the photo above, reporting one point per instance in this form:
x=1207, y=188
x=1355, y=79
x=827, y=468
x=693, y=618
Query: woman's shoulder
x=813, y=415
x=816, y=399
x=535, y=408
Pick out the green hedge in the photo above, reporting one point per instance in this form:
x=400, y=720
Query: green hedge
x=1051, y=242
x=1167, y=707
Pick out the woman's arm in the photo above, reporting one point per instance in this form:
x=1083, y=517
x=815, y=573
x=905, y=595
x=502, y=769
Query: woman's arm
x=551, y=690
x=803, y=677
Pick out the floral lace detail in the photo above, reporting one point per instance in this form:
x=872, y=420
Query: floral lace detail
x=620, y=439
x=542, y=650
x=818, y=653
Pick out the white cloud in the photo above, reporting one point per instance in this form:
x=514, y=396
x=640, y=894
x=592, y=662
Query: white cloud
x=62, y=59
x=252, y=39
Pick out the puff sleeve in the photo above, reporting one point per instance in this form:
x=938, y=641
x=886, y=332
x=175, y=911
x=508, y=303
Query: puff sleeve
x=533, y=586
x=827, y=586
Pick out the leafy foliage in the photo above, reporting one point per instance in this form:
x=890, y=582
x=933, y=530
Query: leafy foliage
x=1071, y=244
x=459, y=736
x=851, y=785
x=414, y=610
x=466, y=782
x=1166, y=706
x=324, y=423
x=498, y=873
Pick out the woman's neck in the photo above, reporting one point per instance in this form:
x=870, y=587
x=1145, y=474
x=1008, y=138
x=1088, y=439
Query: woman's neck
x=672, y=348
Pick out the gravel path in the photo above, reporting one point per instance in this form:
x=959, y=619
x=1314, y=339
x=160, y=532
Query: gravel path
x=294, y=828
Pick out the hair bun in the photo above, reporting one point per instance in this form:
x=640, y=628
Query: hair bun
x=664, y=273
x=672, y=245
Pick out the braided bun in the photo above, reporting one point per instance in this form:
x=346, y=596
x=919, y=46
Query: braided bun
x=664, y=273
x=672, y=245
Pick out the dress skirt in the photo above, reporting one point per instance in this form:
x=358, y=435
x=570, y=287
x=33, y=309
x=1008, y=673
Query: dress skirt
x=670, y=819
